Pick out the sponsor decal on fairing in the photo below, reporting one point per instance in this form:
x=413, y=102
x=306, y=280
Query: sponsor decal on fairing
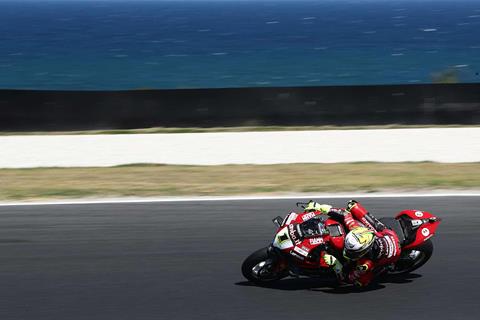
x=293, y=234
x=308, y=216
x=425, y=232
x=315, y=241
x=419, y=214
x=296, y=255
x=301, y=251
x=416, y=222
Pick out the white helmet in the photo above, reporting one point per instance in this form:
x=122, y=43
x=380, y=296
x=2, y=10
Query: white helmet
x=358, y=242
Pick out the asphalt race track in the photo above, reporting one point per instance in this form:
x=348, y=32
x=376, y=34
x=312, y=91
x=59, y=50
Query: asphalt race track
x=182, y=261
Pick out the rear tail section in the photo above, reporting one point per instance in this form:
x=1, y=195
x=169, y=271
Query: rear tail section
x=419, y=226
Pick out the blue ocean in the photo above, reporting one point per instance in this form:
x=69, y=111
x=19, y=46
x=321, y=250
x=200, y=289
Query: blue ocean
x=117, y=45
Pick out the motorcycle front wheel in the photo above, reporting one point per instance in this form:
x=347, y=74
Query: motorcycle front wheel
x=261, y=267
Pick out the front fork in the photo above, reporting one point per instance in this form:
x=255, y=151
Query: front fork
x=278, y=260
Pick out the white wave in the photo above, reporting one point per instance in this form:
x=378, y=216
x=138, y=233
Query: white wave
x=16, y=54
x=399, y=24
x=219, y=53
x=429, y=29
x=309, y=18
x=414, y=80
x=120, y=55
x=474, y=16
x=397, y=54
x=399, y=17
x=272, y=22
x=460, y=66
x=463, y=23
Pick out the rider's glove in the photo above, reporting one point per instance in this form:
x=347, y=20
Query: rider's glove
x=329, y=259
x=315, y=206
x=335, y=264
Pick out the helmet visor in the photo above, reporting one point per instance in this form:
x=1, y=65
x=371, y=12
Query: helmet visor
x=354, y=255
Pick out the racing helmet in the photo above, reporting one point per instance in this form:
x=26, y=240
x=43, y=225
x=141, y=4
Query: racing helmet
x=358, y=242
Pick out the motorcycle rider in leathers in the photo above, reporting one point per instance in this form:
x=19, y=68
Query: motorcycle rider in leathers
x=369, y=246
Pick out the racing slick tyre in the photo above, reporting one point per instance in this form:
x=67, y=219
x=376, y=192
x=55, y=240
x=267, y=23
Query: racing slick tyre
x=412, y=259
x=262, y=268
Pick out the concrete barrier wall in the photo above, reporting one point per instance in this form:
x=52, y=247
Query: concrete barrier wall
x=22, y=110
x=395, y=145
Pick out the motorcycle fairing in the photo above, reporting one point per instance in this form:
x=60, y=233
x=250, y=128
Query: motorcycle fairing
x=289, y=218
x=306, y=251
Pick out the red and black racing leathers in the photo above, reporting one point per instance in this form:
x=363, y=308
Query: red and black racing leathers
x=385, y=250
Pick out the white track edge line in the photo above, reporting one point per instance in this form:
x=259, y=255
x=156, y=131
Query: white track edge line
x=238, y=198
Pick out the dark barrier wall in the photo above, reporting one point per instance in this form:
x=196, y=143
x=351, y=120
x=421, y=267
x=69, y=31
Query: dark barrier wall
x=346, y=105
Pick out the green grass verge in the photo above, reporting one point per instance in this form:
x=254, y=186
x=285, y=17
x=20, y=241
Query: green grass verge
x=166, y=180
x=229, y=129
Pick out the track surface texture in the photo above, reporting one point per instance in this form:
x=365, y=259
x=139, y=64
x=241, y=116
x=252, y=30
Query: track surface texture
x=182, y=261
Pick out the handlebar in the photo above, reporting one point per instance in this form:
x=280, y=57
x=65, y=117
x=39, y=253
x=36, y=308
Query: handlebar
x=303, y=204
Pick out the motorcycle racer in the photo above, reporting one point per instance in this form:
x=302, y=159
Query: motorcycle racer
x=313, y=243
x=369, y=246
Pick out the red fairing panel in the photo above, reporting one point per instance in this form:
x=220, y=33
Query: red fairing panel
x=425, y=230
x=415, y=214
x=301, y=249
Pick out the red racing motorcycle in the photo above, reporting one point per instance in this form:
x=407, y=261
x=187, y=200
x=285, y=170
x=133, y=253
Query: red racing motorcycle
x=297, y=248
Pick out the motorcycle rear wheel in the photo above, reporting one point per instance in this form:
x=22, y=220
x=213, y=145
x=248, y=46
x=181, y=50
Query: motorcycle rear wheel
x=406, y=264
x=260, y=268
